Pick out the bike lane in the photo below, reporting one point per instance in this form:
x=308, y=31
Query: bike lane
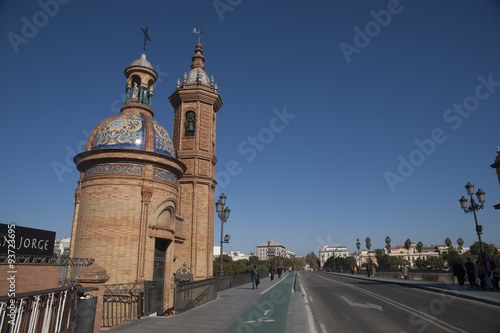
x=269, y=312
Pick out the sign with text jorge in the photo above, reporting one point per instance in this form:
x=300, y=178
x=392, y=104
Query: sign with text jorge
x=22, y=240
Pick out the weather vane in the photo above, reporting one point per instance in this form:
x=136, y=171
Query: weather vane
x=146, y=38
x=199, y=32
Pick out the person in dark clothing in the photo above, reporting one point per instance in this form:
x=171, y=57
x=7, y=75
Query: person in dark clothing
x=271, y=272
x=280, y=270
x=459, y=272
x=255, y=278
x=471, y=272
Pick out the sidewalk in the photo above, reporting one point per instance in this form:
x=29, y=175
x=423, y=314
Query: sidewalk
x=230, y=307
x=490, y=297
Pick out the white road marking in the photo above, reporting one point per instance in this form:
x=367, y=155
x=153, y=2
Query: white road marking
x=366, y=305
x=262, y=319
x=311, y=299
x=309, y=316
x=323, y=328
x=274, y=285
x=433, y=320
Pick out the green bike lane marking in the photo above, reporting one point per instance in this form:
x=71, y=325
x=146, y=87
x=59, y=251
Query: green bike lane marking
x=269, y=312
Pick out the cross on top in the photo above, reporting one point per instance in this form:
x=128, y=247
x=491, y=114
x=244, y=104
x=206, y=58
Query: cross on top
x=146, y=38
x=199, y=32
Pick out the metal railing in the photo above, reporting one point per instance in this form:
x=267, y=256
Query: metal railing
x=122, y=302
x=192, y=294
x=50, y=310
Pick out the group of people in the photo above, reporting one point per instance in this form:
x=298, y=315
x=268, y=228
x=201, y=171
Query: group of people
x=482, y=274
x=272, y=270
x=256, y=276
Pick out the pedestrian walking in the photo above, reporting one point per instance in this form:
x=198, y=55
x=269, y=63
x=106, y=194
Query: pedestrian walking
x=280, y=270
x=481, y=274
x=459, y=272
x=377, y=269
x=490, y=267
x=255, y=277
x=470, y=270
x=405, y=272
x=374, y=271
x=352, y=270
x=271, y=272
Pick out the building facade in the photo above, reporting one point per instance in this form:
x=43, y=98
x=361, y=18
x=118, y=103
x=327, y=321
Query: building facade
x=332, y=251
x=144, y=205
x=270, y=249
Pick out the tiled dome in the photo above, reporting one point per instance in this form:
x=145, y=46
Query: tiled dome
x=142, y=62
x=129, y=131
x=193, y=75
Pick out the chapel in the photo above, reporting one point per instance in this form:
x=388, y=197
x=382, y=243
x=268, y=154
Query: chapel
x=144, y=205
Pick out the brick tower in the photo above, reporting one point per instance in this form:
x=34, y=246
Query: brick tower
x=196, y=103
x=126, y=204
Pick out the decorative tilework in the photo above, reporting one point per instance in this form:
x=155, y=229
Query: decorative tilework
x=163, y=143
x=120, y=131
x=165, y=175
x=114, y=169
x=142, y=62
x=193, y=76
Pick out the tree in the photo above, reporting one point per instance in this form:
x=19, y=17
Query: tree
x=435, y=262
x=419, y=248
x=460, y=243
x=489, y=250
x=447, y=241
x=368, y=243
x=312, y=260
x=407, y=247
x=388, y=243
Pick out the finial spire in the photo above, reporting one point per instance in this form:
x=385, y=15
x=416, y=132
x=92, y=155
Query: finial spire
x=146, y=38
x=199, y=32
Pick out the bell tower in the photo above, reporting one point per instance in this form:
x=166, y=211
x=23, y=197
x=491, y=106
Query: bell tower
x=196, y=103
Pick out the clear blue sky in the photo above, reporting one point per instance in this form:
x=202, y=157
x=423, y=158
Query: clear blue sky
x=356, y=104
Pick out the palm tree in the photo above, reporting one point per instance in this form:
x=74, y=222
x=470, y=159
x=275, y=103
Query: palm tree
x=447, y=241
x=419, y=247
x=388, y=243
x=460, y=243
x=407, y=247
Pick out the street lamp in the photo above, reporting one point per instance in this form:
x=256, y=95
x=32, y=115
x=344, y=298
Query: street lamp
x=223, y=215
x=358, y=244
x=473, y=208
x=269, y=253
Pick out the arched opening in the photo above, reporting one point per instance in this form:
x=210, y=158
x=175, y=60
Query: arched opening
x=136, y=83
x=190, y=123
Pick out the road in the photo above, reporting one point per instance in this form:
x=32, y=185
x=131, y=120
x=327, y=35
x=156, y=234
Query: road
x=343, y=304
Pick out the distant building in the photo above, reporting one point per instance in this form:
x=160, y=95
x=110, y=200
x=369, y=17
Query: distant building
x=332, y=251
x=61, y=246
x=290, y=254
x=237, y=255
x=270, y=249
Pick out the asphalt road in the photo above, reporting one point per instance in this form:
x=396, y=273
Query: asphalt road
x=341, y=304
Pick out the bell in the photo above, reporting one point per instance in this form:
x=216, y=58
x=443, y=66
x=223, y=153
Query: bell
x=190, y=126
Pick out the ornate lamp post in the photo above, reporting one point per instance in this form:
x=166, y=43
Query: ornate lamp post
x=473, y=208
x=223, y=215
x=358, y=244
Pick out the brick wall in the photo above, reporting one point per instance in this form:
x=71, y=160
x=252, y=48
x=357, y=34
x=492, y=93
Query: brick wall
x=29, y=277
